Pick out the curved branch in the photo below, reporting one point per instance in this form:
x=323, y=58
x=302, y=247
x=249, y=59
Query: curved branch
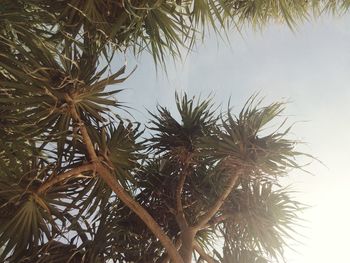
x=64, y=176
x=204, y=219
x=203, y=254
x=111, y=181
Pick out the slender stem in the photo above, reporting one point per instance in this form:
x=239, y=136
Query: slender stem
x=180, y=214
x=218, y=220
x=86, y=137
x=203, y=254
x=165, y=257
x=110, y=180
x=65, y=176
x=204, y=219
x=187, y=233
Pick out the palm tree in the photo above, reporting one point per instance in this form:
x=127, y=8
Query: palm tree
x=79, y=183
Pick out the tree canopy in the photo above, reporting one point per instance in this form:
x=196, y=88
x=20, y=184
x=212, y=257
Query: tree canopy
x=81, y=183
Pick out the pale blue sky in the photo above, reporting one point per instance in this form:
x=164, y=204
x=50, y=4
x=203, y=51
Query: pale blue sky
x=311, y=68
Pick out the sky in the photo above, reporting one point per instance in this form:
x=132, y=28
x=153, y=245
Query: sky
x=309, y=68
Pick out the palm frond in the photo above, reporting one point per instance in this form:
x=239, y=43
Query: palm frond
x=197, y=119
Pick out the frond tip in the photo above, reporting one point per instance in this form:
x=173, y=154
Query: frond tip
x=250, y=139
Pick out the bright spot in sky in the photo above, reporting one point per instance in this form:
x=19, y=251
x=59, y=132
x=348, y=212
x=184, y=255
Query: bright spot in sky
x=311, y=68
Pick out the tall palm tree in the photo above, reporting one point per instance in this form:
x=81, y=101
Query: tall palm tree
x=78, y=183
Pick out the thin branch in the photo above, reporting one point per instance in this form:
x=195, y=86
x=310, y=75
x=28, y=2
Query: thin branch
x=111, y=181
x=203, y=254
x=204, y=219
x=86, y=137
x=180, y=214
x=165, y=257
x=187, y=233
x=216, y=220
x=65, y=176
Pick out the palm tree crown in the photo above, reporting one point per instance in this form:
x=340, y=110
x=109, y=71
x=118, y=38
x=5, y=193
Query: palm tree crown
x=81, y=183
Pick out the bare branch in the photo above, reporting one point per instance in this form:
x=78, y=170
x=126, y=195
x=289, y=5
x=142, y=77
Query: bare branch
x=203, y=254
x=180, y=214
x=216, y=220
x=165, y=257
x=204, y=219
x=86, y=137
x=65, y=176
x=187, y=233
x=111, y=181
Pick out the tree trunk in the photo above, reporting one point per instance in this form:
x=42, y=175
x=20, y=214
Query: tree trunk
x=187, y=238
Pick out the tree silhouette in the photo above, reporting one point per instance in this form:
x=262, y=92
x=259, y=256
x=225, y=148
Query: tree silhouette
x=80, y=183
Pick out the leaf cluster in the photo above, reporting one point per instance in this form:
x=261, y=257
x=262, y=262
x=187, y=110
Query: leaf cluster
x=55, y=64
